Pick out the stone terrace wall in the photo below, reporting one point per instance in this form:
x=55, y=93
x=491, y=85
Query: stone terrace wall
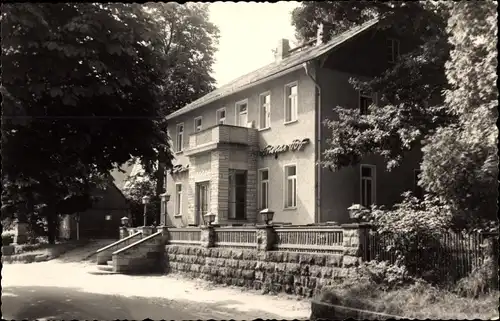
x=269, y=271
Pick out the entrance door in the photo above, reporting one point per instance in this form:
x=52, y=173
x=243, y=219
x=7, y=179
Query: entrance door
x=202, y=201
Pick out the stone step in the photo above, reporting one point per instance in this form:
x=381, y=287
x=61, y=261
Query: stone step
x=110, y=262
x=108, y=268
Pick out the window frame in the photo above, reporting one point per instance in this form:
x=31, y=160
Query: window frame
x=285, y=189
x=373, y=179
x=178, y=200
x=201, y=124
x=238, y=113
x=294, y=115
x=218, y=118
x=259, y=189
x=179, y=150
x=268, y=111
x=395, y=47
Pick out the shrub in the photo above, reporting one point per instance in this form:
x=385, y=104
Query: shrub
x=411, y=227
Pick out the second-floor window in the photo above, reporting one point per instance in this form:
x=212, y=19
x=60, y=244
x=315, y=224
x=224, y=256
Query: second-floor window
x=221, y=116
x=197, y=124
x=242, y=113
x=265, y=111
x=180, y=137
x=392, y=50
x=368, y=185
x=291, y=102
x=365, y=100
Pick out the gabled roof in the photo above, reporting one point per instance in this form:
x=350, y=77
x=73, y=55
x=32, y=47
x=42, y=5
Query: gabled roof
x=274, y=68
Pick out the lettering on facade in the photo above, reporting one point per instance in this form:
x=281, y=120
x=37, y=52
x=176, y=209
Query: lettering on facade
x=177, y=169
x=296, y=145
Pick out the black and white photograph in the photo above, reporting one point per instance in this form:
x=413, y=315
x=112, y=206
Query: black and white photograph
x=316, y=160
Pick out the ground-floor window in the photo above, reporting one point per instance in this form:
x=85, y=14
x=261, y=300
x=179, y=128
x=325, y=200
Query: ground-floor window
x=178, y=199
x=368, y=184
x=237, y=194
x=290, y=186
x=263, y=188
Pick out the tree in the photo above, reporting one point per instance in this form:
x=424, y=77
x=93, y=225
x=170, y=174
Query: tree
x=457, y=131
x=460, y=162
x=403, y=114
x=85, y=87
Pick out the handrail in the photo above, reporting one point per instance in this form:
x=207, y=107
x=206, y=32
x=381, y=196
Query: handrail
x=138, y=242
x=118, y=242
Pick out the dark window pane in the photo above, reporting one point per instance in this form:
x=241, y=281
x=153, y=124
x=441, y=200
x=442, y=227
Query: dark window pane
x=366, y=171
x=369, y=200
x=241, y=178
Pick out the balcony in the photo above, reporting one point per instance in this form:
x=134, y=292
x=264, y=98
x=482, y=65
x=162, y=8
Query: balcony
x=210, y=138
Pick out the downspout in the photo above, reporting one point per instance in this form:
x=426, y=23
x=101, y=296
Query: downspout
x=317, y=145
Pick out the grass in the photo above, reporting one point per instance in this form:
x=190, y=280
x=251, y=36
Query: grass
x=419, y=300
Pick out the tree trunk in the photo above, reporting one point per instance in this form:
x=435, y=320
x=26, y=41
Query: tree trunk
x=51, y=216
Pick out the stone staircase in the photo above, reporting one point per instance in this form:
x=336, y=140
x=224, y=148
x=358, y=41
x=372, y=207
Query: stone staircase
x=140, y=252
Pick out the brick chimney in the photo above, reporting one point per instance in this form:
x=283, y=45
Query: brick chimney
x=282, y=49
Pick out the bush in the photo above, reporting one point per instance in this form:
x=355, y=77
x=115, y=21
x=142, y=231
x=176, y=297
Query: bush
x=413, y=226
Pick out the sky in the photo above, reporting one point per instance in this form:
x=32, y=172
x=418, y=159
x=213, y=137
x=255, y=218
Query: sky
x=248, y=34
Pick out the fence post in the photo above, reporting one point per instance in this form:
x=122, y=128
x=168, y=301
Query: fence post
x=207, y=236
x=266, y=237
x=490, y=244
x=123, y=232
x=164, y=233
x=355, y=239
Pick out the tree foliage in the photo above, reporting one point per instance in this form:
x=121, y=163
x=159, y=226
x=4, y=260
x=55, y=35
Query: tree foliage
x=460, y=161
x=403, y=114
x=85, y=88
x=455, y=54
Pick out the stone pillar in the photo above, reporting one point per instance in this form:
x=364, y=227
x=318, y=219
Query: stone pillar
x=207, y=236
x=21, y=232
x=147, y=230
x=490, y=244
x=164, y=233
x=266, y=238
x=123, y=232
x=253, y=150
x=355, y=236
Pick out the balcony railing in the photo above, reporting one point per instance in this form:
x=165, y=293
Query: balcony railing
x=209, y=138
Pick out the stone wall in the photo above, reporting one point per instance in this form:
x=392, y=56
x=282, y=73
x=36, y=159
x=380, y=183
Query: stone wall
x=269, y=271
